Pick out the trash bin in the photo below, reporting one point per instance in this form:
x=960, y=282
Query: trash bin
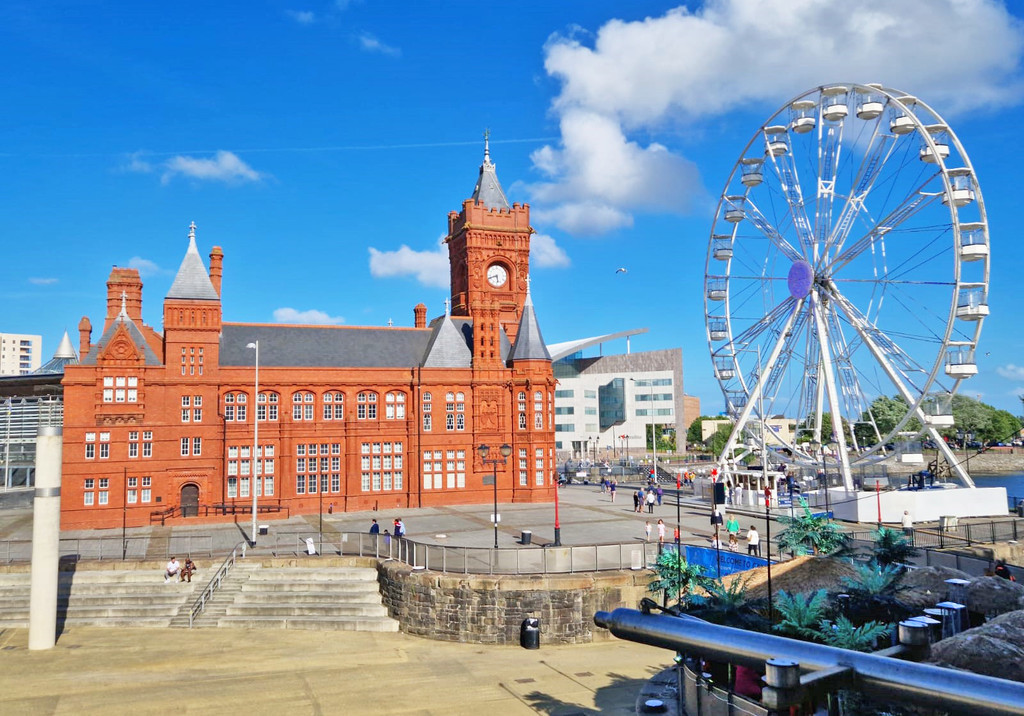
x=1020, y=509
x=529, y=633
x=526, y=537
x=264, y=529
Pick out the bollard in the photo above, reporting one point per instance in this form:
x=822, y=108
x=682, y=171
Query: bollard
x=782, y=679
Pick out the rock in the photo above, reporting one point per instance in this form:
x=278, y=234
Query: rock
x=993, y=596
x=993, y=649
x=926, y=586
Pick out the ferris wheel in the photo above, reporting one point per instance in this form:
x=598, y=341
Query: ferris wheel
x=848, y=260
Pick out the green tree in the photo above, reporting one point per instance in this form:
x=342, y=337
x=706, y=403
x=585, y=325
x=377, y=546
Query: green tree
x=887, y=413
x=731, y=605
x=892, y=547
x=801, y=614
x=806, y=533
x=694, y=436
x=1005, y=426
x=717, y=441
x=972, y=416
x=677, y=578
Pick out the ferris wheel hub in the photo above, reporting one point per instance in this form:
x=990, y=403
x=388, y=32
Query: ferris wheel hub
x=800, y=279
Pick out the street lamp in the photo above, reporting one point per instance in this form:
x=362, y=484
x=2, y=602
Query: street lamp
x=505, y=450
x=255, y=436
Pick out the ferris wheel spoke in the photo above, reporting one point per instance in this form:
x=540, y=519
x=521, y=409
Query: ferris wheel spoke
x=875, y=158
x=828, y=374
x=914, y=204
x=789, y=183
x=765, y=227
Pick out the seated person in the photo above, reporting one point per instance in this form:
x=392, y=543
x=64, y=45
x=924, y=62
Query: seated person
x=173, y=570
x=187, y=570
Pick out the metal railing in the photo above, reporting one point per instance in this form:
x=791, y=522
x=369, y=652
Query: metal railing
x=471, y=560
x=964, y=534
x=111, y=548
x=199, y=605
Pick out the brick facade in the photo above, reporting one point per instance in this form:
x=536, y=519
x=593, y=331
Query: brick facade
x=350, y=418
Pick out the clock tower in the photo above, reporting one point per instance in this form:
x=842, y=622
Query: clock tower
x=489, y=254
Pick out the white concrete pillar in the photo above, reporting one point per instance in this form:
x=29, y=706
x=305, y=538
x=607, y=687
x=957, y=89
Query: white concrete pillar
x=42, y=620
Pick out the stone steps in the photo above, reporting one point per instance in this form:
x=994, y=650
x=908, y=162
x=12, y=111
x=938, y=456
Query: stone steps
x=371, y=624
x=287, y=609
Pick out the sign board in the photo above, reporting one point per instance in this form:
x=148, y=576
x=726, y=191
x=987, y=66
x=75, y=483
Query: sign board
x=488, y=479
x=495, y=521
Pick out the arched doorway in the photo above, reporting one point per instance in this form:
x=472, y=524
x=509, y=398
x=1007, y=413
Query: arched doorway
x=190, y=500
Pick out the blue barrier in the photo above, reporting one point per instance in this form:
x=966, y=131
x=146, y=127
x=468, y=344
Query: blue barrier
x=731, y=562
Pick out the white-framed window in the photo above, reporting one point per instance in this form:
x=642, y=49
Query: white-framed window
x=538, y=410
x=186, y=401
x=394, y=408
x=147, y=495
x=104, y=497
x=90, y=451
x=104, y=451
x=184, y=447
x=186, y=415
x=300, y=484
x=366, y=406
x=232, y=486
x=147, y=444
x=539, y=467
x=334, y=405
x=87, y=498
x=90, y=483
x=197, y=446
x=133, y=496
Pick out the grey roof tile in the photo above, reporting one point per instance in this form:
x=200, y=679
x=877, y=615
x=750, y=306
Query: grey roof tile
x=448, y=347
x=323, y=346
x=488, y=189
x=529, y=342
x=192, y=281
x=134, y=333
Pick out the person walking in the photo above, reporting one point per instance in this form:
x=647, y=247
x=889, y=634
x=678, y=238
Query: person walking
x=907, y=523
x=732, y=526
x=737, y=497
x=399, y=528
x=661, y=495
x=753, y=542
x=638, y=500
x=716, y=519
x=612, y=487
x=374, y=527
x=661, y=531
x=647, y=531
x=651, y=499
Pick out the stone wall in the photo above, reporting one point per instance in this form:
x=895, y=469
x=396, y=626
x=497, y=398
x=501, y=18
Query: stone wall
x=489, y=609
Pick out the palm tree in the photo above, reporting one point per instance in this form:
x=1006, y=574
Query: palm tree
x=843, y=634
x=677, y=578
x=892, y=546
x=801, y=614
x=732, y=606
x=874, y=590
x=810, y=534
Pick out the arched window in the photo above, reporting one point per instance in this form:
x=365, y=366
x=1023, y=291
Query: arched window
x=427, y=417
x=521, y=405
x=538, y=410
x=334, y=406
x=366, y=406
x=302, y=405
x=394, y=406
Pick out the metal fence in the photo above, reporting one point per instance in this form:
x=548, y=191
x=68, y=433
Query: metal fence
x=110, y=548
x=958, y=534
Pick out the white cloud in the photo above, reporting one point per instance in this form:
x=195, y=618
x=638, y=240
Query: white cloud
x=224, y=166
x=686, y=67
x=145, y=267
x=545, y=253
x=43, y=281
x=430, y=268
x=136, y=163
x=302, y=17
x=371, y=44
x=1011, y=371
x=311, y=317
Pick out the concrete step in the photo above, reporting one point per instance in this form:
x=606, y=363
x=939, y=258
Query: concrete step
x=249, y=596
x=129, y=622
x=360, y=587
x=309, y=574
x=313, y=624
x=312, y=611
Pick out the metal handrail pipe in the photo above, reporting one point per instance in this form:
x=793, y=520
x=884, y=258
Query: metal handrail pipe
x=957, y=691
x=199, y=605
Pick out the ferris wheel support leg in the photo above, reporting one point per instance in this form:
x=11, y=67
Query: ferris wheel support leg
x=755, y=394
x=943, y=448
x=833, y=396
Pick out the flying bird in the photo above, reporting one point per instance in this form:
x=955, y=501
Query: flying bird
x=621, y=270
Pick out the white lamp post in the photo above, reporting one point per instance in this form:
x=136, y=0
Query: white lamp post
x=255, y=436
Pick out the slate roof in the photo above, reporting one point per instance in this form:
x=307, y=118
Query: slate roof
x=192, y=281
x=448, y=347
x=488, y=189
x=133, y=332
x=529, y=342
x=323, y=346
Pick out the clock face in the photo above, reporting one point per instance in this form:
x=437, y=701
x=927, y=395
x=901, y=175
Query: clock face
x=497, y=275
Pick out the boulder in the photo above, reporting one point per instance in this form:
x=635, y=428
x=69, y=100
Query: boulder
x=994, y=649
x=926, y=586
x=993, y=596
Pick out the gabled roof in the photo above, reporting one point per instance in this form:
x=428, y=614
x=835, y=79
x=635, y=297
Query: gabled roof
x=448, y=347
x=488, y=189
x=192, y=281
x=64, y=355
x=134, y=334
x=529, y=342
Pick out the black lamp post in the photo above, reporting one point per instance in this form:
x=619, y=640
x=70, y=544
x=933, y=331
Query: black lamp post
x=484, y=450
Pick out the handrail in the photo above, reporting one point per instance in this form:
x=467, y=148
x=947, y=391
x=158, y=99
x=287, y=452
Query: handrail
x=199, y=605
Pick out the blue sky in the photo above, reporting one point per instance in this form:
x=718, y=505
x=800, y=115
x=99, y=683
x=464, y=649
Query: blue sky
x=321, y=144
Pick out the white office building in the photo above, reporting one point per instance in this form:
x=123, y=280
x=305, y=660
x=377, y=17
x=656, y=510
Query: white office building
x=605, y=404
x=20, y=354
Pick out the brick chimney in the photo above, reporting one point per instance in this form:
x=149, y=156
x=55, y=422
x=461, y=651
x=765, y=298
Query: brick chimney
x=84, y=337
x=216, y=267
x=126, y=281
x=420, y=314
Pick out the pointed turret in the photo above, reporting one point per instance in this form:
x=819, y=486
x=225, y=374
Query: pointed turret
x=488, y=189
x=447, y=348
x=64, y=355
x=192, y=281
x=122, y=341
x=529, y=342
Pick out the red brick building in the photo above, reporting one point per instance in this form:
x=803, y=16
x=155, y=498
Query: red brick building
x=350, y=418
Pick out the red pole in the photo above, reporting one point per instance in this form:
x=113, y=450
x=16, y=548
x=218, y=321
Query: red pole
x=878, y=498
x=558, y=528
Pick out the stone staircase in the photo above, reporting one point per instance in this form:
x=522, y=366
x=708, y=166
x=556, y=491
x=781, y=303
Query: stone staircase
x=115, y=598
x=318, y=598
